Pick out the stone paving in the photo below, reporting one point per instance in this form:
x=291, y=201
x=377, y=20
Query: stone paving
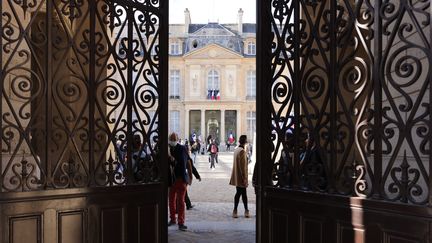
x=210, y=220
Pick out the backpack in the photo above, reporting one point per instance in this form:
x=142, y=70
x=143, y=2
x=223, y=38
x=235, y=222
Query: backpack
x=213, y=149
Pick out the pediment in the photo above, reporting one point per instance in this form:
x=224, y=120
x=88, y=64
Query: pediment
x=213, y=51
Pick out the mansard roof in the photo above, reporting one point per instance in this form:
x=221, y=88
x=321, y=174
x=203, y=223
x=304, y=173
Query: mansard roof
x=195, y=27
x=213, y=29
x=212, y=33
x=247, y=27
x=213, y=51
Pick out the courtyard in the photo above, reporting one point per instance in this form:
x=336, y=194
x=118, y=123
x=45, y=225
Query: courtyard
x=210, y=219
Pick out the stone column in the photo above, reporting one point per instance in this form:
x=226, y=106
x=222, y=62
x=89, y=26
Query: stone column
x=222, y=128
x=239, y=128
x=203, y=127
x=186, y=124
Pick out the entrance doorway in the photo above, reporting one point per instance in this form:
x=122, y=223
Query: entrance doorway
x=215, y=66
x=213, y=121
x=81, y=78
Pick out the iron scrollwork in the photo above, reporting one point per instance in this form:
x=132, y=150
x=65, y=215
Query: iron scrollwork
x=357, y=71
x=76, y=92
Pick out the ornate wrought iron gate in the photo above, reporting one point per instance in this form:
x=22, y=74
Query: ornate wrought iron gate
x=83, y=104
x=350, y=125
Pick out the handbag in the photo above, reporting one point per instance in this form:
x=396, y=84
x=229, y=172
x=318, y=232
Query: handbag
x=171, y=175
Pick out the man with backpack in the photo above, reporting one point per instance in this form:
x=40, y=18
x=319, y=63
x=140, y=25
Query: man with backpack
x=213, y=149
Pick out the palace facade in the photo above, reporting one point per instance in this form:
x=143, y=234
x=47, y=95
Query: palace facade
x=212, y=79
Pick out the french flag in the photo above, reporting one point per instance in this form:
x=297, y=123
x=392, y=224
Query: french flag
x=217, y=94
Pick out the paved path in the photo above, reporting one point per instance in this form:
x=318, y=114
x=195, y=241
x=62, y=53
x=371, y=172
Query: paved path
x=210, y=220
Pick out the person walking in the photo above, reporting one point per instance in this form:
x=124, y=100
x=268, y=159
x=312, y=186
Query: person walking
x=191, y=171
x=239, y=176
x=213, y=151
x=188, y=202
x=179, y=157
x=230, y=141
x=195, y=148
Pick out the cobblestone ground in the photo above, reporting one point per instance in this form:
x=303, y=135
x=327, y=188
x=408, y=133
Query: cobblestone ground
x=210, y=220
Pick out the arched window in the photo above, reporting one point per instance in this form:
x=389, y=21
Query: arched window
x=251, y=49
x=251, y=84
x=213, y=85
x=213, y=80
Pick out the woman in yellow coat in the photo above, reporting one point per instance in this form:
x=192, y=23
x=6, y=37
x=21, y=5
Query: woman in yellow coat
x=239, y=176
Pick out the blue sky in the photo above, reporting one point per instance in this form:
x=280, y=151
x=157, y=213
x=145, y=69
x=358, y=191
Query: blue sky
x=203, y=11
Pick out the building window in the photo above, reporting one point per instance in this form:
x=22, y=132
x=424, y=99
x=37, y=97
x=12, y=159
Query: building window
x=230, y=126
x=175, y=48
x=174, y=87
x=251, y=123
x=251, y=49
x=174, y=122
x=195, y=124
x=213, y=85
x=194, y=44
x=251, y=85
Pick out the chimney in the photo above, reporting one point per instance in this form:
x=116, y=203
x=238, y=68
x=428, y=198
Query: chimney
x=240, y=21
x=187, y=20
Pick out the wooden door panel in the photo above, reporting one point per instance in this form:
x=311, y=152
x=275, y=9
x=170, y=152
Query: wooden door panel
x=328, y=218
x=81, y=81
x=347, y=232
x=344, y=148
x=113, y=225
x=148, y=220
x=32, y=224
x=95, y=216
x=72, y=226
x=311, y=229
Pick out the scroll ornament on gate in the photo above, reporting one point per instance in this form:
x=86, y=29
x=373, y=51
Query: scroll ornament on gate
x=23, y=177
x=26, y=4
x=71, y=175
x=405, y=185
x=360, y=185
x=72, y=8
x=114, y=171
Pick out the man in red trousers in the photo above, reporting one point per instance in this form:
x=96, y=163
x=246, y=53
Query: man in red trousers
x=179, y=159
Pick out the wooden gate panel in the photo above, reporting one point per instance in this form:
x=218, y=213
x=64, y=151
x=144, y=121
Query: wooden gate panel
x=108, y=215
x=302, y=217
x=72, y=226
x=83, y=94
x=344, y=102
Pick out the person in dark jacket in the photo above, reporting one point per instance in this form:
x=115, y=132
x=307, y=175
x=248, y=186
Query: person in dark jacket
x=194, y=173
x=213, y=151
x=286, y=164
x=313, y=167
x=187, y=199
x=179, y=156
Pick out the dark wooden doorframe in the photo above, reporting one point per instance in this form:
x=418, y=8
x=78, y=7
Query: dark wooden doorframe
x=357, y=79
x=65, y=71
x=262, y=144
x=56, y=206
